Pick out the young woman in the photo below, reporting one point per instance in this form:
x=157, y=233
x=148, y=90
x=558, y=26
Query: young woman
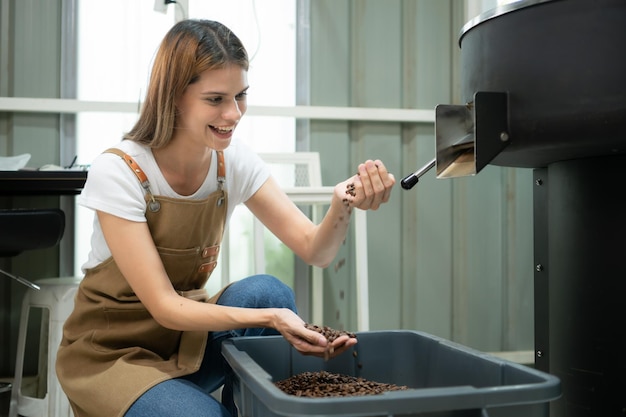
x=144, y=338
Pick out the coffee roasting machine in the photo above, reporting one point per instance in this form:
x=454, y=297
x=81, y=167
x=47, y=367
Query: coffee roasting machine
x=544, y=87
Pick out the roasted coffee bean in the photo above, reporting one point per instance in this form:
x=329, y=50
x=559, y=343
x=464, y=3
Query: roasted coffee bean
x=350, y=189
x=329, y=333
x=326, y=384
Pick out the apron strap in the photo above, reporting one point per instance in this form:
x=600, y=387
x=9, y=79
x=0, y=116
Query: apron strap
x=132, y=164
x=221, y=170
x=153, y=205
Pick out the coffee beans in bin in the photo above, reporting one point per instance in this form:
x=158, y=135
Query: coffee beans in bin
x=327, y=384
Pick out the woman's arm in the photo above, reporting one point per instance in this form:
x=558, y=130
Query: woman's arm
x=136, y=256
x=318, y=244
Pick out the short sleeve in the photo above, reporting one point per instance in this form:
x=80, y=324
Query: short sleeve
x=113, y=188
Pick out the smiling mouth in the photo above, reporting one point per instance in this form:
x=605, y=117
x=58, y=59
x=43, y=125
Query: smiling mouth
x=222, y=130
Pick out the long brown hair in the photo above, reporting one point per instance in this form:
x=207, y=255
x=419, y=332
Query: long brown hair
x=188, y=49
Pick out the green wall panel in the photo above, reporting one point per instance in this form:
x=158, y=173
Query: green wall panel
x=451, y=257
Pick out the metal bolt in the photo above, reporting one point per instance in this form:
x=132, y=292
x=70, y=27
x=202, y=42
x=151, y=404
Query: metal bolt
x=539, y=181
x=538, y=267
x=539, y=354
x=504, y=136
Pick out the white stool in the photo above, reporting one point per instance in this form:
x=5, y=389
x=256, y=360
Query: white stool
x=56, y=299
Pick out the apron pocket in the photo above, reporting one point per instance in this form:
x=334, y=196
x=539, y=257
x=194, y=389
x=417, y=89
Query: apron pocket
x=180, y=265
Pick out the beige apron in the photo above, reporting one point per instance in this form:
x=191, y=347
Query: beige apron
x=112, y=349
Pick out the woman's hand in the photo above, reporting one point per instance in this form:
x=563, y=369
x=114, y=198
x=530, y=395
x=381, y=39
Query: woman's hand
x=369, y=188
x=309, y=342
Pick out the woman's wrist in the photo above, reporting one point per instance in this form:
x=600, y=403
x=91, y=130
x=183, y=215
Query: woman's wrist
x=344, y=194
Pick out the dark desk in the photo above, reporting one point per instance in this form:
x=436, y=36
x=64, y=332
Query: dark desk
x=13, y=183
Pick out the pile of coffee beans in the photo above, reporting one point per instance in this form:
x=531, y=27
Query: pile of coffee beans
x=326, y=384
x=327, y=332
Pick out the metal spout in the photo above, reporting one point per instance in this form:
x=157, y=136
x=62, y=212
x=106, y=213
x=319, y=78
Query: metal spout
x=469, y=136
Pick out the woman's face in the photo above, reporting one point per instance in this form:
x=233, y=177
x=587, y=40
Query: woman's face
x=209, y=109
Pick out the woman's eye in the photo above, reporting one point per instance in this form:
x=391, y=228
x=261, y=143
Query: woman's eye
x=214, y=100
x=241, y=96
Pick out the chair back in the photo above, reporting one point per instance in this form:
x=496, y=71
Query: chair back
x=29, y=229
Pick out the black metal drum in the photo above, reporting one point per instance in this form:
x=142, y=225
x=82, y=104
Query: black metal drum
x=563, y=65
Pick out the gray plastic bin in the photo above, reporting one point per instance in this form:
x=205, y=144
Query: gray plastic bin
x=446, y=379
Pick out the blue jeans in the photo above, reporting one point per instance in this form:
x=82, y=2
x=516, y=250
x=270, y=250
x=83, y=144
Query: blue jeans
x=190, y=396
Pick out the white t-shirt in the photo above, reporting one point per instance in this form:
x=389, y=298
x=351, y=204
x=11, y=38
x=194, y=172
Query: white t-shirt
x=112, y=187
